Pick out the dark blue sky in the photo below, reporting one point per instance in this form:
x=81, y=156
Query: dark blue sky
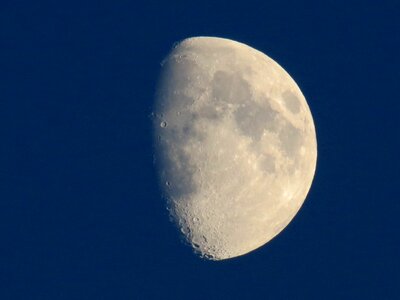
x=80, y=212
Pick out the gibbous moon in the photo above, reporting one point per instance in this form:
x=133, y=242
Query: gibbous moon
x=235, y=145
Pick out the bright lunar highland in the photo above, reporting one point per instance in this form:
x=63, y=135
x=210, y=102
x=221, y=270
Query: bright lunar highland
x=235, y=145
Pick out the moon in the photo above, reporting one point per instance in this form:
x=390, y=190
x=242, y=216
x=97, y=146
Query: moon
x=235, y=145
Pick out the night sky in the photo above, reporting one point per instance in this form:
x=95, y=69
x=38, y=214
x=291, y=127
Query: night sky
x=81, y=215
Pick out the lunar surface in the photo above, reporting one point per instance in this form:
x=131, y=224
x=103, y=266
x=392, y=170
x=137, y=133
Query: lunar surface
x=235, y=145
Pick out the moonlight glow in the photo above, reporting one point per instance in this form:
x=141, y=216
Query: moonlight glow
x=235, y=145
